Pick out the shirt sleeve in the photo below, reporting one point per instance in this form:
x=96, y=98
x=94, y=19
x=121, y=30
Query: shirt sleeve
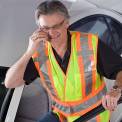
x=109, y=63
x=31, y=72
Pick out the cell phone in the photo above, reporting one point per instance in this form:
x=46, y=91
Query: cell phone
x=49, y=37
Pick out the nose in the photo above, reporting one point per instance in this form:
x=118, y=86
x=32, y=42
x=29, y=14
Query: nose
x=50, y=31
x=53, y=33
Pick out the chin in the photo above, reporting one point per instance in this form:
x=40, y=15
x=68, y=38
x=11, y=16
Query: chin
x=54, y=40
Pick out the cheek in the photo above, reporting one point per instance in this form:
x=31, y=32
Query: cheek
x=54, y=34
x=58, y=33
x=67, y=25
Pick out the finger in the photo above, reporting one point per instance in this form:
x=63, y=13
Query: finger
x=114, y=101
x=38, y=37
x=42, y=35
x=112, y=104
x=108, y=102
x=104, y=102
x=38, y=31
x=34, y=37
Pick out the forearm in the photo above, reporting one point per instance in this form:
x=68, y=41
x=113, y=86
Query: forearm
x=118, y=81
x=14, y=76
x=110, y=100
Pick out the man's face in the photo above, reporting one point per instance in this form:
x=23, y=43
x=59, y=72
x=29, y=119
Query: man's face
x=55, y=25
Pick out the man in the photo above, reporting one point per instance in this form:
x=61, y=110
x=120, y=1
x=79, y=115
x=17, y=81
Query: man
x=70, y=66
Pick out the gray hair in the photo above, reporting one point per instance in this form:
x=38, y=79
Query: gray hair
x=50, y=7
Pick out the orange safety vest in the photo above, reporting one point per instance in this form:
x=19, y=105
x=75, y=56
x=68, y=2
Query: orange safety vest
x=81, y=88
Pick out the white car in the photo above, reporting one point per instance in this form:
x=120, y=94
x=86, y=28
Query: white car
x=27, y=103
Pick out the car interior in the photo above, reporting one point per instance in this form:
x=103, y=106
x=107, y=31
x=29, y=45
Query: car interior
x=34, y=103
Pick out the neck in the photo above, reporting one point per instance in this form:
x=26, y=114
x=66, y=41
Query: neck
x=60, y=46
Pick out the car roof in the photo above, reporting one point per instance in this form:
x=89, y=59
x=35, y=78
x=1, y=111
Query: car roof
x=17, y=22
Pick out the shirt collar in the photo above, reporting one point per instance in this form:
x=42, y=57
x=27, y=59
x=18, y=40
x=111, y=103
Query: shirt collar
x=68, y=42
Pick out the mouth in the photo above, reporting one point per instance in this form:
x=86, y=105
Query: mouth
x=53, y=37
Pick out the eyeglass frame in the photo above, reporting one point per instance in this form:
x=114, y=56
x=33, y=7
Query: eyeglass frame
x=54, y=27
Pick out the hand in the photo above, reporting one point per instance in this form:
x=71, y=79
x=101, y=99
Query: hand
x=109, y=101
x=34, y=41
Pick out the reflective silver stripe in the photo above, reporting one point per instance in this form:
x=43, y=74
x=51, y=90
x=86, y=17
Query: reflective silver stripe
x=93, y=120
x=42, y=57
x=86, y=53
x=36, y=59
x=47, y=80
x=83, y=106
x=44, y=71
x=43, y=67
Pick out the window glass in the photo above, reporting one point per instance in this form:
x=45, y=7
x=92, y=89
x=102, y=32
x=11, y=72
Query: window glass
x=116, y=31
x=107, y=29
x=96, y=26
x=3, y=89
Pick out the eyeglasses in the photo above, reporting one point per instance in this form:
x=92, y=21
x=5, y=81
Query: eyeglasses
x=55, y=27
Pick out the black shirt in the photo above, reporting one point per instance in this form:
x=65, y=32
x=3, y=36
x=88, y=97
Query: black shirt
x=108, y=62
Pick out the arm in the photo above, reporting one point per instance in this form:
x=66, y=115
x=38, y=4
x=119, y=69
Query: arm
x=118, y=81
x=30, y=73
x=14, y=76
x=110, y=65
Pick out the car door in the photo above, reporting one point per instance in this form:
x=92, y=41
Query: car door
x=3, y=90
x=109, y=31
x=4, y=94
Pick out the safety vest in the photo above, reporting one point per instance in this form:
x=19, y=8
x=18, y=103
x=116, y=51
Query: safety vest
x=79, y=90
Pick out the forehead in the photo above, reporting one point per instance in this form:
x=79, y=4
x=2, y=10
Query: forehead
x=50, y=19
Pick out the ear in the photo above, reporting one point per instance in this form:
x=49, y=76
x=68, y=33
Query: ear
x=67, y=24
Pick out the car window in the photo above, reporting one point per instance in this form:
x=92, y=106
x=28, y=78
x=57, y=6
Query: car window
x=108, y=30
x=116, y=32
x=3, y=89
x=3, y=92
